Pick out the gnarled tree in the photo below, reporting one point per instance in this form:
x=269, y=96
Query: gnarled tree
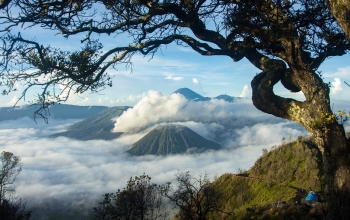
x=287, y=40
x=341, y=11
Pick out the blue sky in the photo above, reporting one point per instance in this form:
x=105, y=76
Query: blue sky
x=176, y=67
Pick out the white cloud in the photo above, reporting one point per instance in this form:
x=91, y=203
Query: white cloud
x=130, y=100
x=342, y=72
x=178, y=78
x=212, y=119
x=245, y=92
x=67, y=174
x=151, y=109
x=195, y=81
x=336, y=86
x=13, y=101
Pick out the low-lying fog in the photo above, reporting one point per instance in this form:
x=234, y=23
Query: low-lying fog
x=62, y=173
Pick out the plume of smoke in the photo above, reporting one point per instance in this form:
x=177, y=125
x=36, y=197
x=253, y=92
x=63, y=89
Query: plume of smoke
x=246, y=92
x=336, y=86
x=156, y=108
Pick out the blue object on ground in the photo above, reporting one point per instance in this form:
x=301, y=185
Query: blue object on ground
x=311, y=197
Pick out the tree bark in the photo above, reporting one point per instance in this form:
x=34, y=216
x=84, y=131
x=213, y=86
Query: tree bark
x=337, y=166
x=341, y=11
x=316, y=116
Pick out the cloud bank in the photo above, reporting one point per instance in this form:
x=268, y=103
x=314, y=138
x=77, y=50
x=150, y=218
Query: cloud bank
x=156, y=108
x=63, y=175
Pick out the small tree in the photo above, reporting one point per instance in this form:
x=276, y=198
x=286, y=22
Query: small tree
x=140, y=200
x=11, y=208
x=10, y=168
x=14, y=209
x=195, y=197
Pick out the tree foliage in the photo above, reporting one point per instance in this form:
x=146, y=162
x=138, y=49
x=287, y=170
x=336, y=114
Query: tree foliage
x=11, y=208
x=196, y=198
x=139, y=200
x=241, y=29
x=10, y=168
x=14, y=209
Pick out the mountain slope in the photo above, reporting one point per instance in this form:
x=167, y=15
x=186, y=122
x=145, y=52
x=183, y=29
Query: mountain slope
x=58, y=111
x=171, y=139
x=284, y=174
x=97, y=126
x=190, y=95
x=226, y=98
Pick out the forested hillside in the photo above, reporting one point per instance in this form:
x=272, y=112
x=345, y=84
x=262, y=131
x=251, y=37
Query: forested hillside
x=281, y=177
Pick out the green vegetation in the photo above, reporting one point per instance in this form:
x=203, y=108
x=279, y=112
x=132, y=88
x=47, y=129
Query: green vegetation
x=195, y=197
x=283, y=175
x=11, y=208
x=140, y=199
x=274, y=188
x=171, y=139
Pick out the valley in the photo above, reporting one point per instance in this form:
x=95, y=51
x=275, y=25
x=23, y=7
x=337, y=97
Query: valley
x=75, y=161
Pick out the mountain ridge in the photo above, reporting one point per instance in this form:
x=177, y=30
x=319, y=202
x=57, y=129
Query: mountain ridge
x=97, y=126
x=171, y=139
x=191, y=95
x=57, y=111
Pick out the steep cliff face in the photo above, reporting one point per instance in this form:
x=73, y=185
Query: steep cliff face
x=171, y=139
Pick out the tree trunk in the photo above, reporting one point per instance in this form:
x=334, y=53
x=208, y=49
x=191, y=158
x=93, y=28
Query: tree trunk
x=336, y=158
x=316, y=116
x=341, y=11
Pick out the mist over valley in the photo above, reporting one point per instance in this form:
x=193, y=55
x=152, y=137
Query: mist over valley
x=70, y=174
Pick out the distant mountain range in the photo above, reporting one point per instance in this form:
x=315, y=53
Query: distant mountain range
x=191, y=95
x=172, y=139
x=97, y=126
x=227, y=98
x=163, y=140
x=64, y=111
x=58, y=111
x=100, y=124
